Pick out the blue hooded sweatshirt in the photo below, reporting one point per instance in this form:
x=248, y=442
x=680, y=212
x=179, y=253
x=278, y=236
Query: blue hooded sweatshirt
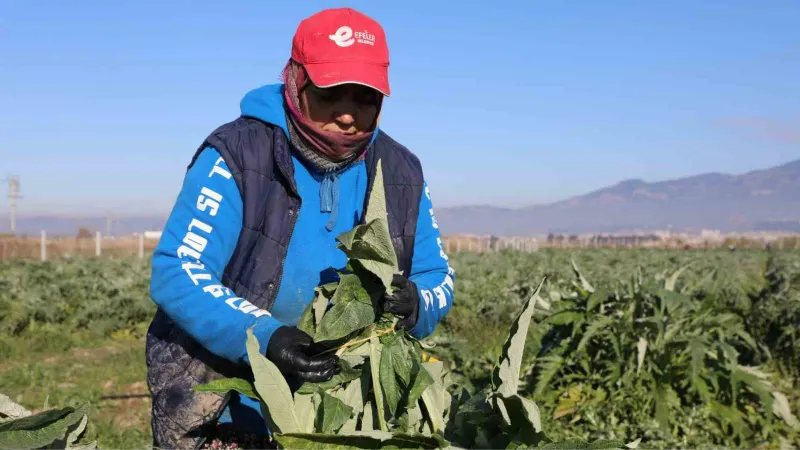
x=332, y=204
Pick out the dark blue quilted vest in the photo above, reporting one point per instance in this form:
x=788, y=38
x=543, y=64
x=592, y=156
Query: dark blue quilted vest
x=258, y=155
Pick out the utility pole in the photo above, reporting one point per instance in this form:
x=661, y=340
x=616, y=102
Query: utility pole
x=13, y=195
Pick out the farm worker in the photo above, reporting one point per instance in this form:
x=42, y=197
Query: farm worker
x=253, y=229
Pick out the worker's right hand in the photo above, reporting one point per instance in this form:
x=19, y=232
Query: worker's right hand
x=293, y=351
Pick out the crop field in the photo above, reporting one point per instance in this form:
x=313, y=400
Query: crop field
x=674, y=348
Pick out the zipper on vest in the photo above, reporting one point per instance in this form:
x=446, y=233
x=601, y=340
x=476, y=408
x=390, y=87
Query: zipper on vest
x=289, y=177
x=293, y=221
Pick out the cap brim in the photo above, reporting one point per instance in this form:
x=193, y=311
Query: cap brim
x=332, y=74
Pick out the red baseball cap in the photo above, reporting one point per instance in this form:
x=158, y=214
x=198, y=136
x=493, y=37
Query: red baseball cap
x=341, y=45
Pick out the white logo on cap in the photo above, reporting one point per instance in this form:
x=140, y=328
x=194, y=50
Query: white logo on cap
x=344, y=37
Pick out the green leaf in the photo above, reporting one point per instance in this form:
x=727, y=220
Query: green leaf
x=435, y=369
x=549, y=366
x=698, y=348
x=334, y=413
x=328, y=289
x=434, y=397
x=306, y=322
x=271, y=386
x=320, y=306
x=505, y=376
x=568, y=402
x=402, y=358
x=356, y=355
x=222, y=386
x=361, y=440
x=89, y=446
x=305, y=408
x=375, y=348
x=10, y=409
x=523, y=412
x=607, y=444
x=673, y=300
x=367, y=419
x=641, y=349
x=373, y=243
x=634, y=444
x=376, y=205
x=40, y=430
x=600, y=444
x=421, y=380
x=584, y=282
x=370, y=245
x=670, y=282
x=781, y=408
x=565, y=317
x=731, y=415
x=73, y=433
x=383, y=271
x=597, y=298
x=349, y=313
x=593, y=330
x=414, y=417
x=352, y=396
x=348, y=238
x=391, y=389
x=350, y=289
x=662, y=403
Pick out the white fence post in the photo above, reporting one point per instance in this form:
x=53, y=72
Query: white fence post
x=141, y=245
x=44, y=245
x=97, y=244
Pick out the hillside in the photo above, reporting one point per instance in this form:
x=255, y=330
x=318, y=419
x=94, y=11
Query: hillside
x=760, y=199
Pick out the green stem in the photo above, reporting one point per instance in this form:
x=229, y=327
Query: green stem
x=353, y=342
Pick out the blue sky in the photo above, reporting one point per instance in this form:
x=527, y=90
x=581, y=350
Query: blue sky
x=510, y=103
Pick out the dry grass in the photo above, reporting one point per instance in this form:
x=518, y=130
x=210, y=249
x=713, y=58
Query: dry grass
x=30, y=247
x=107, y=372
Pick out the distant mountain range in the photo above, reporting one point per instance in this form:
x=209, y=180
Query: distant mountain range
x=767, y=199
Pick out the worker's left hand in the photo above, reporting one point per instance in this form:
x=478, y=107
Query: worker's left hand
x=403, y=302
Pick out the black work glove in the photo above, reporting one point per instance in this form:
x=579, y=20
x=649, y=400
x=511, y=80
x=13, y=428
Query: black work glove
x=403, y=302
x=293, y=351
